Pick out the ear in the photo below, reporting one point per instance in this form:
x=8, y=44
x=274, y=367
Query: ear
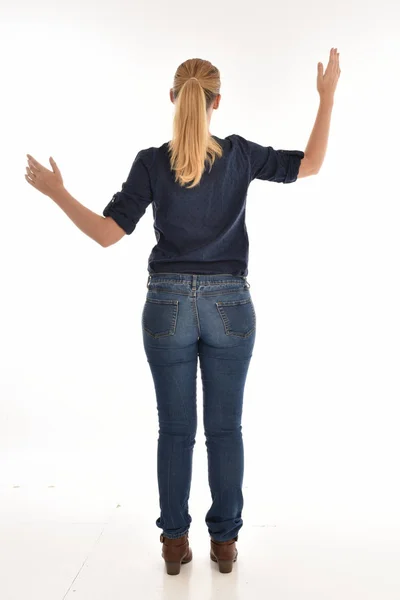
x=171, y=95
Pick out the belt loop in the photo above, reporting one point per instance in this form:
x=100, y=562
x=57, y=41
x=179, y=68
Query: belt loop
x=194, y=279
x=148, y=280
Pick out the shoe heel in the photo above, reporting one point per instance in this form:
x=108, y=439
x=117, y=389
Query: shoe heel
x=173, y=568
x=225, y=566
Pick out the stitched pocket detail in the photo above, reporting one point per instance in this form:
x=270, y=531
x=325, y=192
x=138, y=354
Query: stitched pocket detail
x=238, y=317
x=159, y=317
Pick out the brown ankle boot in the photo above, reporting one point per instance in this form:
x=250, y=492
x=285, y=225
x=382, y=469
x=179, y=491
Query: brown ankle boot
x=174, y=552
x=224, y=553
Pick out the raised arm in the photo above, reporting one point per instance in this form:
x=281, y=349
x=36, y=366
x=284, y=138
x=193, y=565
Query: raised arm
x=105, y=230
x=315, y=151
x=102, y=230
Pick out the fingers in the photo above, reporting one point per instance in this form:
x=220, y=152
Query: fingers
x=331, y=59
x=34, y=165
x=29, y=180
x=33, y=170
x=54, y=165
x=333, y=64
x=31, y=173
x=335, y=61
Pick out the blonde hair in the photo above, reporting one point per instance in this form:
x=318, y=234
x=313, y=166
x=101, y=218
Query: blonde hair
x=196, y=85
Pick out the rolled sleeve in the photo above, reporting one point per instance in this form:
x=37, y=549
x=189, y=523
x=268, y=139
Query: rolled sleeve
x=129, y=205
x=266, y=163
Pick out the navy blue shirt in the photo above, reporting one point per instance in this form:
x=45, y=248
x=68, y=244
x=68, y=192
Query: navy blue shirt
x=200, y=230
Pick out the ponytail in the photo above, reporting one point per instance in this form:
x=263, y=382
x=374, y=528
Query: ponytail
x=192, y=145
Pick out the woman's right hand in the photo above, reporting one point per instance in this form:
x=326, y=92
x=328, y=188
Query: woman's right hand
x=326, y=83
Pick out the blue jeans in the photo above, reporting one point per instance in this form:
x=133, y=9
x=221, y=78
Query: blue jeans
x=210, y=318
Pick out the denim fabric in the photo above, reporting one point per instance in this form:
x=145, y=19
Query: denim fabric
x=210, y=320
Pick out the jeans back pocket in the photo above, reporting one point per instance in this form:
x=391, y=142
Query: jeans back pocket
x=159, y=317
x=238, y=317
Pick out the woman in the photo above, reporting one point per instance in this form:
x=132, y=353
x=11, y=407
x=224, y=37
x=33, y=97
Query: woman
x=198, y=305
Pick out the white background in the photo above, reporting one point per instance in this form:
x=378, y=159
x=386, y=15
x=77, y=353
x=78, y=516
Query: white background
x=89, y=85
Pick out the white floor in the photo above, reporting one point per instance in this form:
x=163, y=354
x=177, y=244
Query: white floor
x=94, y=544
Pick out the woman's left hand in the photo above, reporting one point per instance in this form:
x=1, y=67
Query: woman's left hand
x=43, y=179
